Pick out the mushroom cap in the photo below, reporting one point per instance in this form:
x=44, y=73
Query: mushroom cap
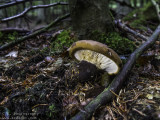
x=96, y=53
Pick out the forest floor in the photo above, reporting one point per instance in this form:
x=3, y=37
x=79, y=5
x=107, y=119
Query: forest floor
x=33, y=85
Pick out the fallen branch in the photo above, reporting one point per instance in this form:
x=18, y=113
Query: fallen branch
x=106, y=96
x=3, y=47
x=9, y=30
x=127, y=29
x=157, y=8
x=31, y=8
x=15, y=2
x=12, y=3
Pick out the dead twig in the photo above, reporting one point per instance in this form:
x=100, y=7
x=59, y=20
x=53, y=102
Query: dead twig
x=111, y=113
x=9, y=30
x=125, y=28
x=39, y=105
x=133, y=99
x=12, y=3
x=31, y=8
x=141, y=113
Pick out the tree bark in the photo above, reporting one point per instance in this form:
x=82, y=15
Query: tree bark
x=135, y=3
x=90, y=15
x=107, y=95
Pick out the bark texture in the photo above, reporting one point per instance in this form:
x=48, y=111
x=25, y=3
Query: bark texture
x=90, y=15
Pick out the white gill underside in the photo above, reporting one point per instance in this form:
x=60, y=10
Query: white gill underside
x=101, y=61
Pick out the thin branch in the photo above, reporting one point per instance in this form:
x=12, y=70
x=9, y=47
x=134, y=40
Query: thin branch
x=127, y=29
x=13, y=3
x=31, y=8
x=5, y=1
x=106, y=96
x=157, y=8
x=13, y=43
x=19, y=30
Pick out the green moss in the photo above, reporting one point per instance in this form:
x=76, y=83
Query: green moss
x=13, y=36
x=45, y=51
x=138, y=24
x=4, y=37
x=114, y=40
x=52, y=111
x=120, y=44
x=63, y=41
x=142, y=17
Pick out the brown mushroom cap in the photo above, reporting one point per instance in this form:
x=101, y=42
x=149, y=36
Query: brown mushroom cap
x=96, y=53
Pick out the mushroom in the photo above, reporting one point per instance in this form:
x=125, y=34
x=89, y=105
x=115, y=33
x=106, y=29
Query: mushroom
x=96, y=53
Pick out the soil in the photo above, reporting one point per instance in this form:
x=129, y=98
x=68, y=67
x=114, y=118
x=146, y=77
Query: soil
x=36, y=85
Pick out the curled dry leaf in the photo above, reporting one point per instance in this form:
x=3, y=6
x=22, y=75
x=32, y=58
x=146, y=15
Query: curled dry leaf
x=13, y=54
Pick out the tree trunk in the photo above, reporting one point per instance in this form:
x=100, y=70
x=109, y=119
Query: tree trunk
x=41, y=14
x=141, y=3
x=135, y=3
x=90, y=15
x=47, y=11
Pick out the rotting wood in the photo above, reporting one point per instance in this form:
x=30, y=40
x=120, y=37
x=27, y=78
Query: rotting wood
x=106, y=96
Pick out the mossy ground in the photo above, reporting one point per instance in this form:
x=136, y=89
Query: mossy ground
x=141, y=18
x=4, y=37
x=115, y=41
x=63, y=41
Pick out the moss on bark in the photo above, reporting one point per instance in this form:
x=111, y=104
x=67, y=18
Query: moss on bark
x=142, y=17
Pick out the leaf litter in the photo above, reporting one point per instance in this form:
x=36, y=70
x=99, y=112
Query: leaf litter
x=42, y=86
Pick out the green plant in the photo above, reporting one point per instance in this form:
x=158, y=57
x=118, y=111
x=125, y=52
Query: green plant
x=52, y=110
x=4, y=37
x=63, y=41
x=45, y=51
x=12, y=36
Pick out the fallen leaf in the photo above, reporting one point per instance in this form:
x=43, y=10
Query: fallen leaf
x=12, y=54
x=149, y=96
